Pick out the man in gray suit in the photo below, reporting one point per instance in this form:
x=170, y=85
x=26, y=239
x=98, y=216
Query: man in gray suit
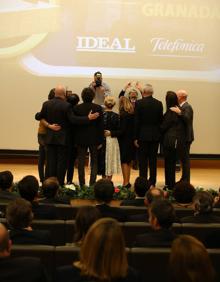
x=186, y=112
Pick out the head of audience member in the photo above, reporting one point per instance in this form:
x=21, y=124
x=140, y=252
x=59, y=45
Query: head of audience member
x=125, y=105
x=5, y=243
x=19, y=214
x=189, y=261
x=60, y=92
x=153, y=194
x=73, y=99
x=161, y=214
x=85, y=217
x=6, y=180
x=141, y=186
x=171, y=99
x=104, y=242
x=104, y=190
x=87, y=95
x=182, y=95
x=183, y=192
x=133, y=94
x=28, y=188
x=51, y=94
x=147, y=90
x=109, y=102
x=98, y=79
x=203, y=203
x=50, y=187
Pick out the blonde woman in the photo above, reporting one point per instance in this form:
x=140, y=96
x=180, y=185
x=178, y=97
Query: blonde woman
x=102, y=257
x=111, y=162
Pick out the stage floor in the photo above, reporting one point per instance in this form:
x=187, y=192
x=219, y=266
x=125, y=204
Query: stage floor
x=203, y=177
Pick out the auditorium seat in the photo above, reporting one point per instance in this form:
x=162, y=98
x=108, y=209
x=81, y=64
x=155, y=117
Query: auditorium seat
x=70, y=231
x=66, y=212
x=66, y=255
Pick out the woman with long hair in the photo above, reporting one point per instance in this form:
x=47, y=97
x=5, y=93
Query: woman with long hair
x=102, y=256
x=189, y=261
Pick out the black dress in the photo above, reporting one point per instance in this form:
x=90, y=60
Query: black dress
x=126, y=137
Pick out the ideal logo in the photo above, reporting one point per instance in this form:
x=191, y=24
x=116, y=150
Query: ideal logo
x=104, y=44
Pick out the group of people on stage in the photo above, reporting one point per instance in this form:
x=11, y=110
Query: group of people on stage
x=69, y=128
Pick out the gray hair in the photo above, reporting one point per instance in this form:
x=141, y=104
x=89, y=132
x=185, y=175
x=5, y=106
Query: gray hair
x=203, y=202
x=148, y=89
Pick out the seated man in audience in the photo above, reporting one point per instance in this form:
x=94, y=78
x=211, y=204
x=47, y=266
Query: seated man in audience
x=161, y=218
x=19, y=218
x=25, y=269
x=104, y=190
x=151, y=195
x=203, y=209
x=50, y=189
x=28, y=188
x=141, y=186
x=6, y=182
x=183, y=193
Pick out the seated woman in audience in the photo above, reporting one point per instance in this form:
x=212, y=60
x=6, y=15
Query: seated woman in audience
x=85, y=217
x=102, y=256
x=183, y=193
x=19, y=218
x=189, y=261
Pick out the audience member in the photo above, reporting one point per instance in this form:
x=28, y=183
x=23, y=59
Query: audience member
x=148, y=117
x=19, y=217
x=141, y=186
x=50, y=189
x=104, y=190
x=153, y=194
x=85, y=217
x=216, y=204
x=28, y=188
x=6, y=183
x=183, y=193
x=161, y=218
x=100, y=88
x=19, y=269
x=203, y=209
x=88, y=136
x=189, y=261
x=102, y=256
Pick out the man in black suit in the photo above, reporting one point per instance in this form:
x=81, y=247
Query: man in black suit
x=20, y=269
x=88, y=136
x=148, y=117
x=6, y=183
x=104, y=190
x=186, y=113
x=161, y=218
x=58, y=112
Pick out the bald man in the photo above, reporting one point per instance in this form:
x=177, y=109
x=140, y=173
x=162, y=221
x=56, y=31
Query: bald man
x=59, y=112
x=21, y=269
x=186, y=113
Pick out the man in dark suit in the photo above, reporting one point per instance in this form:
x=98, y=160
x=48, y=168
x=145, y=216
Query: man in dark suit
x=6, y=182
x=20, y=269
x=88, y=136
x=148, y=117
x=104, y=190
x=58, y=112
x=161, y=218
x=186, y=113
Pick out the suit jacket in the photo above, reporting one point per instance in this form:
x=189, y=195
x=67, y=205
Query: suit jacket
x=93, y=132
x=22, y=269
x=148, y=117
x=108, y=211
x=157, y=238
x=60, y=112
x=187, y=116
x=72, y=274
x=201, y=218
x=22, y=236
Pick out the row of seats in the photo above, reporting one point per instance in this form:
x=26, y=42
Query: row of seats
x=62, y=231
x=151, y=262
x=67, y=212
